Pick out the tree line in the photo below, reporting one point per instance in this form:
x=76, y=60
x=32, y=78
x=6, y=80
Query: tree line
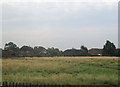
x=12, y=50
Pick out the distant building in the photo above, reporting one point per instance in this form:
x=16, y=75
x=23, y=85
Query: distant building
x=95, y=52
x=74, y=52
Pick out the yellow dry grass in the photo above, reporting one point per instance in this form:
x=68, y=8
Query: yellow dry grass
x=82, y=57
x=61, y=70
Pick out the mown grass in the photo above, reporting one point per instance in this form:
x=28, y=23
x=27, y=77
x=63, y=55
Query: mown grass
x=62, y=70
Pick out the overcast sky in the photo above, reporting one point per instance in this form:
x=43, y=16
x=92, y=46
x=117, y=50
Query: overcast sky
x=60, y=24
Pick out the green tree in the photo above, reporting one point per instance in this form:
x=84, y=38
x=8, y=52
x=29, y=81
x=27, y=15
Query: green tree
x=54, y=51
x=40, y=51
x=118, y=52
x=26, y=48
x=26, y=51
x=11, y=46
x=109, y=49
x=84, y=50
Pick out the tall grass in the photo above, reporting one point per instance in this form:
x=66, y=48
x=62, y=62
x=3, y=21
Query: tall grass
x=62, y=70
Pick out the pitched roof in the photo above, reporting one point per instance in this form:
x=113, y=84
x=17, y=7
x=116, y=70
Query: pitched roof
x=95, y=51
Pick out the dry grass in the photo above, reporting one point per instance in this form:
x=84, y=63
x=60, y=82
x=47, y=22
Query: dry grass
x=50, y=58
x=61, y=70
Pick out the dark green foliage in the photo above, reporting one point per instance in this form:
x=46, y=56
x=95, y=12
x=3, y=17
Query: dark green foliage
x=11, y=50
x=26, y=51
x=118, y=52
x=40, y=51
x=11, y=46
x=26, y=48
x=84, y=50
x=53, y=52
x=109, y=49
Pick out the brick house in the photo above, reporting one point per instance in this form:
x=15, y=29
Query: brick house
x=95, y=52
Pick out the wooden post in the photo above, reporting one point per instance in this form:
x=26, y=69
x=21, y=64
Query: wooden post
x=10, y=84
x=19, y=84
x=23, y=84
x=13, y=84
x=3, y=84
x=30, y=84
x=6, y=84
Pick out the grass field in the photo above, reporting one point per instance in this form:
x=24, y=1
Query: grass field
x=61, y=70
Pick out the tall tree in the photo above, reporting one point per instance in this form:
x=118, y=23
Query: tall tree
x=26, y=51
x=11, y=46
x=54, y=51
x=40, y=51
x=26, y=48
x=10, y=50
x=84, y=50
x=109, y=49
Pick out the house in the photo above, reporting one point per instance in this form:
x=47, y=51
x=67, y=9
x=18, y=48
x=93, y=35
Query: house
x=74, y=52
x=95, y=52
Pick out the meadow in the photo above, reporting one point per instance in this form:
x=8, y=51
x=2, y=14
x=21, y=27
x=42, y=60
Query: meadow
x=61, y=70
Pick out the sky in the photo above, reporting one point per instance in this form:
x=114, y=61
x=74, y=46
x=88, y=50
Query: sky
x=60, y=24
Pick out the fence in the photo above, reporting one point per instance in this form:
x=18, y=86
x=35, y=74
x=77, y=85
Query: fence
x=13, y=84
